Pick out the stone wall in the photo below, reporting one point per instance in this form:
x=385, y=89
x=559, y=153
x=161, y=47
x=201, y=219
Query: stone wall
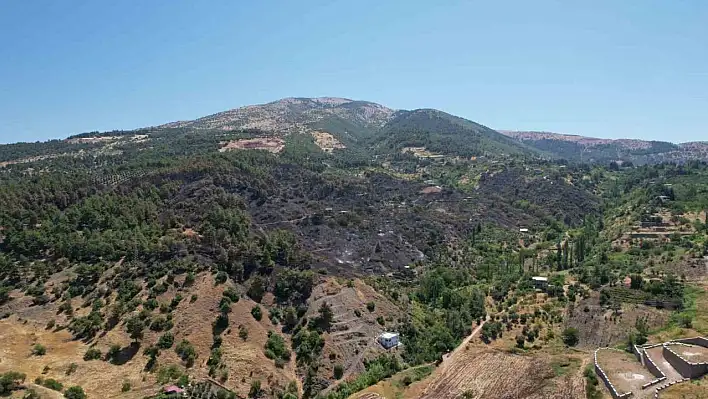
x=684, y=367
x=700, y=341
x=649, y=364
x=601, y=373
x=639, y=353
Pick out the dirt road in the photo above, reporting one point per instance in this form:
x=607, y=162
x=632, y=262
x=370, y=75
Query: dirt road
x=464, y=343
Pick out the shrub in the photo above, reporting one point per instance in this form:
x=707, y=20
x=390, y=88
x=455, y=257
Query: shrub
x=151, y=304
x=189, y=279
x=161, y=324
x=275, y=347
x=126, y=387
x=339, y=371
x=39, y=350
x=165, y=341
x=75, y=392
x=255, y=390
x=113, y=351
x=215, y=357
x=231, y=294
x=186, y=352
x=570, y=336
x=370, y=306
x=10, y=381
x=92, y=354
x=220, y=278
x=72, y=367
x=52, y=384
x=134, y=326
x=257, y=313
x=243, y=332
x=256, y=289
x=168, y=373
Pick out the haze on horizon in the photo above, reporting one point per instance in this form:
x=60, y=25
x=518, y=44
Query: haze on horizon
x=632, y=69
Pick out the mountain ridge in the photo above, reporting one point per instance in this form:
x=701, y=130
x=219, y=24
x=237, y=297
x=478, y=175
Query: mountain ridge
x=540, y=134
x=591, y=149
x=364, y=126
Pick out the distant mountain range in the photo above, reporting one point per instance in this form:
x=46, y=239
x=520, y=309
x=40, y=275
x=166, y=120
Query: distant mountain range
x=591, y=149
x=368, y=127
x=365, y=123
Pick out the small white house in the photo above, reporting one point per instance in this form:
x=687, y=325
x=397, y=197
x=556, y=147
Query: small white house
x=540, y=282
x=388, y=340
x=523, y=230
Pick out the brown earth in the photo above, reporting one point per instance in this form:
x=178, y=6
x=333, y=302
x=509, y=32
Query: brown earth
x=694, y=354
x=244, y=359
x=271, y=144
x=600, y=327
x=327, y=142
x=624, y=371
x=656, y=355
x=488, y=373
x=696, y=389
x=352, y=338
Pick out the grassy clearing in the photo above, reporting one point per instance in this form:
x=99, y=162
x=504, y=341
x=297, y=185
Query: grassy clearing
x=565, y=365
x=396, y=386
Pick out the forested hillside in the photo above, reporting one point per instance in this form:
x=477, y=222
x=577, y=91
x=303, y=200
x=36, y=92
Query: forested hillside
x=260, y=252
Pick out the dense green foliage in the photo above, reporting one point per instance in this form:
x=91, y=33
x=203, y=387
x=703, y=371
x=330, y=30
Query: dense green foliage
x=10, y=381
x=376, y=370
x=446, y=134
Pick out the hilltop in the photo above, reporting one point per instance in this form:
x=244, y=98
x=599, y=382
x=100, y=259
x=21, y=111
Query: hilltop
x=590, y=149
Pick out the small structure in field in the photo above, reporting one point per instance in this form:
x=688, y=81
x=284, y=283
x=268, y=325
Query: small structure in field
x=388, y=340
x=523, y=230
x=540, y=282
x=627, y=282
x=173, y=389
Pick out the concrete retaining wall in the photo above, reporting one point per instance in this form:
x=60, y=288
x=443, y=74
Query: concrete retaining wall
x=684, y=367
x=639, y=353
x=700, y=341
x=651, y=366
x=601, y=373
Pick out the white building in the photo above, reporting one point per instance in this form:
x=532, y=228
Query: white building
x=388, y=340
x=540, y=282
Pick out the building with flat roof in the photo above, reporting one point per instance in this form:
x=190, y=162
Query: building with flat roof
x=540, y=282
x=388, y=340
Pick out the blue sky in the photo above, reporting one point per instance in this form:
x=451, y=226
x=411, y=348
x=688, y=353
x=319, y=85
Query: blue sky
x=606, y=68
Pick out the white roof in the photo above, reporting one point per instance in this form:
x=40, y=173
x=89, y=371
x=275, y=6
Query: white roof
x=524, y=230
x=388, y=335
x=537, y=278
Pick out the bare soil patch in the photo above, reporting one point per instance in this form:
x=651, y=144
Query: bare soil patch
x=696, y=389
x=656, y=355
x=245, y=360
x=694, y=354
x=600, y=327
x=488, y=373
x=623, y=370
x=352, y=338
x=271, y=144
x=327, y=142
